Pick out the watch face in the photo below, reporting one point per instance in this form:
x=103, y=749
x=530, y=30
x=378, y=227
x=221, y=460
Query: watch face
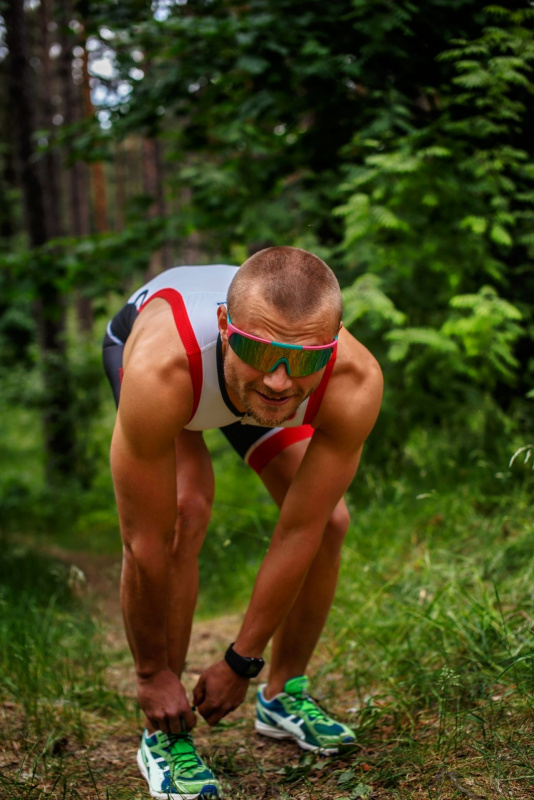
x=253, y=668
x=246, y=667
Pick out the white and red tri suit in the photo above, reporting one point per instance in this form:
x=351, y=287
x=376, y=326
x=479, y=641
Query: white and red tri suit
x=194, y=294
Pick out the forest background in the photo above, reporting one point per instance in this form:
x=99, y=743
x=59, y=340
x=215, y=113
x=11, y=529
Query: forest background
x=396, y=141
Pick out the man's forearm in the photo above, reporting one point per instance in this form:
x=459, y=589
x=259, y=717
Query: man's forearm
x=144, y=602
x=279, y=579
x=146, y=605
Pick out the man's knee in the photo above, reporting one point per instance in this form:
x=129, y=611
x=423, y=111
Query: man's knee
x=336, y=529
x=193, y=514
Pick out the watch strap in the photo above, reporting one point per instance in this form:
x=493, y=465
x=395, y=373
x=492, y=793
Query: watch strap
x=243, y=666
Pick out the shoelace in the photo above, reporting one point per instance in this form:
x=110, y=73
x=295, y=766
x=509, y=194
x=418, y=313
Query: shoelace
x=183, y=751
x=307, y=704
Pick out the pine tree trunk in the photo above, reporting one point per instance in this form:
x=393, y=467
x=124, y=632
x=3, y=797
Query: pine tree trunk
x=59, y=431
x=78, y=174
x=153, y=186
x=51, y=161
x=98, y=181
x=8, y=177
x=120, y=187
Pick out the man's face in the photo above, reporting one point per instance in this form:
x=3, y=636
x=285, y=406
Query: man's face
x=273, y=397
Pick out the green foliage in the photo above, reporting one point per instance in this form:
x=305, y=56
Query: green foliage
x=488, y=334
x=414, y=123
x=52, y=663
x=393, y=140
x=94, y=265
x=364, y=299
x=478, y=344
x=438, y=583
x=257, y=102
x=442, y=215
x=81, y=507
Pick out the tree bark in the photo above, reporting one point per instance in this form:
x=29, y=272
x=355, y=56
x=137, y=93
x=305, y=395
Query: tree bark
x=59, y=431
x=97, y=169
x=120, y=187
x=7, y=176
x=153, y=186
x=51, y=161
x=78, y=173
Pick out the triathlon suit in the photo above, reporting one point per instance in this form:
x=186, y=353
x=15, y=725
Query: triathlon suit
x=194, y=294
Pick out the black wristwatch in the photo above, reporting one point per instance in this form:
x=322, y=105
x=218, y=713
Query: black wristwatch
x=243, y=666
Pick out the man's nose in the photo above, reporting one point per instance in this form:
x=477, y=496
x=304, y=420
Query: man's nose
x=278, y=380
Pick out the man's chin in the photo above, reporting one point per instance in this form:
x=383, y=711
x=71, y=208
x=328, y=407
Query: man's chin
x=271, y=420
x=268, y=416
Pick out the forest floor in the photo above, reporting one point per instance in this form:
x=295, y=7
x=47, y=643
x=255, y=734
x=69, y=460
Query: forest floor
x=102, y=762
x=99, y=763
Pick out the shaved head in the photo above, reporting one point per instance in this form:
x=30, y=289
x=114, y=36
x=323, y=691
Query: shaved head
x=295, y=282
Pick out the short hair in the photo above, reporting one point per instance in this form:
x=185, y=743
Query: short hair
x=297, y=283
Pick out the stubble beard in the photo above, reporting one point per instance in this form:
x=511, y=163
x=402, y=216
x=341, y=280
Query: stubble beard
x=262, y=418
x=247, y=390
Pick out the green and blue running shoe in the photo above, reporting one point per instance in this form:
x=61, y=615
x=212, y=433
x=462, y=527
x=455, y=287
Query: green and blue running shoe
x=173, y=769
x=293, y=714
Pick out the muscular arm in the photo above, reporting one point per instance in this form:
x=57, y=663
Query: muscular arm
x=146, y=500
x=348, y=414
x=328, y=468
x=152, y=411
x=321, y=481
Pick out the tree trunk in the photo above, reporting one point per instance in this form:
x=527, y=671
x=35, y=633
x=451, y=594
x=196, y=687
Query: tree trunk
x=7, y=176
x=78, y=174
x=59, y=432
x=166, y=252
x=120, y=187
x=51, y=160
x=153, y=186
x=98, y=180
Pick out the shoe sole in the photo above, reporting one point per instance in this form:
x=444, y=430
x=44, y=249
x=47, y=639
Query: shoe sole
x=279, y=733
x=173, y=795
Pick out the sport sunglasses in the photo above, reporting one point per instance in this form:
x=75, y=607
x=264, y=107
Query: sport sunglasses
x=265, y=356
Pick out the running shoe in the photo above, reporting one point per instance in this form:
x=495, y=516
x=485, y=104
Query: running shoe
x=293, y=714
x=173, y=769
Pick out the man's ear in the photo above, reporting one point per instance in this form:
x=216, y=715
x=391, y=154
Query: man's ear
x=222, y=319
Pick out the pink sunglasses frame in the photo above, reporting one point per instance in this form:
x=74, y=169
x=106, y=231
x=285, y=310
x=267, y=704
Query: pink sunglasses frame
x=231, y=328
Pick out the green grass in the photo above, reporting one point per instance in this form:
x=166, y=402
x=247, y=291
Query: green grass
x=429, y=648
x=53, y=689
x=52, y=661
x=430, y=642
x=433, y=630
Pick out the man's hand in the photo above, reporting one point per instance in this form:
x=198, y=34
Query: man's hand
x=162, y=697
x=218, y=691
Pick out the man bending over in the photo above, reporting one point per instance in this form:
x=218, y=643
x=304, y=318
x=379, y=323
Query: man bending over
x=259, y=352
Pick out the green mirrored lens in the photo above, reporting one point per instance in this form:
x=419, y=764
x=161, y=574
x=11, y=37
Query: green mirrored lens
x=266, y=357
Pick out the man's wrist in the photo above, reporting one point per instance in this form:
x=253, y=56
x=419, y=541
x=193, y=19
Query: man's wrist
x=148, y=672
x=244, y=666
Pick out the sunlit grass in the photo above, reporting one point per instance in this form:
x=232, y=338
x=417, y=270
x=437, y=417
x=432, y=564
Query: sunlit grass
x=428, y=652
x=52, y=661
x=433, y=642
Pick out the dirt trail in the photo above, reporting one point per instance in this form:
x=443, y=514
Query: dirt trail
x=248, y=765
x=97, y=760
x=100, y=763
